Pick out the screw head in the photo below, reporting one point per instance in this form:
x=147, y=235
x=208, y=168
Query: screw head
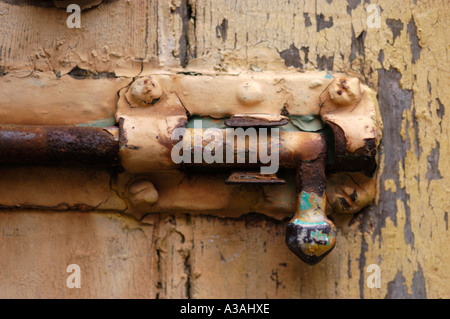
x=145, y=91
x=345, y=91
x=250, y=93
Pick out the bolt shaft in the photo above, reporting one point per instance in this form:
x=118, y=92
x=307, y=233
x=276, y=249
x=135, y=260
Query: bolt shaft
x=58, y=145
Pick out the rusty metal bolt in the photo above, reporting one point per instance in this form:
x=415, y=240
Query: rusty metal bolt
x=250, y=93
x=345, y=91
x=145, y=90
x=142, y=194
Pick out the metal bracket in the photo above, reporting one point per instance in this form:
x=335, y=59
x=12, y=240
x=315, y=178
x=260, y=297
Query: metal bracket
x=323, y=128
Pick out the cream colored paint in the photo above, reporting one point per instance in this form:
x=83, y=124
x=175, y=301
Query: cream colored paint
x=40, y=98
x=253, y=248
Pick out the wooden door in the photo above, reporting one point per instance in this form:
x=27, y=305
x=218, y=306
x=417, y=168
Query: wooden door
x=52, y=217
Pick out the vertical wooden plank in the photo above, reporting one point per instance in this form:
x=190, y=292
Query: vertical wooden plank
x=173, y=242
x=204, y=256
x=115, y=255
x=401, y=59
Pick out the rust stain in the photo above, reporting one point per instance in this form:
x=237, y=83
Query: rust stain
x=58, y=145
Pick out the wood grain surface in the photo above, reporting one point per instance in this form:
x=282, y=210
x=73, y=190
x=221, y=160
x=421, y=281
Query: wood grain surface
x=207, y=256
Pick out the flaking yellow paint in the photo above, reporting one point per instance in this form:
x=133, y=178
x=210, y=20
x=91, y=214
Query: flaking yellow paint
x=389, y=185
x=405, y=235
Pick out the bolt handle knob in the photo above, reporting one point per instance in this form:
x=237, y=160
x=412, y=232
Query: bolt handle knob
x=310, y=234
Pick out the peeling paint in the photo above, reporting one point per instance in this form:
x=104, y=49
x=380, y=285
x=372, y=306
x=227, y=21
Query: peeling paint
x=405, y=67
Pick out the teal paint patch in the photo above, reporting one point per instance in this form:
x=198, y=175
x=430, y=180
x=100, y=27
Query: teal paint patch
x=307, y=123
x=304, y=201
x=289, y=127
x=319, y=236
x=328, y=76
x=303, y=223
x=101, y=123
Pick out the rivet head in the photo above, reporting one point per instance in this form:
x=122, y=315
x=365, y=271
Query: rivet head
x=142, y=194
x=250, y=93
x=315, y=83
x=145, y=90
x=345, y=91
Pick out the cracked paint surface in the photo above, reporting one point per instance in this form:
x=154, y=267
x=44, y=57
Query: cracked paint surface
x=405, y=61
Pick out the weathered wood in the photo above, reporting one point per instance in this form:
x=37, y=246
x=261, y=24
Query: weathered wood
x=115, y=254
x=405, y=60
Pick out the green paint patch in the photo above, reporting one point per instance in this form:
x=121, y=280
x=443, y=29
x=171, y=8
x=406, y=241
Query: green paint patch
x=303, y=223
x=101, y=123
x=319, y=236
x=307, y=123
x=305, y=201
x=207, y=122
x=289, y=127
